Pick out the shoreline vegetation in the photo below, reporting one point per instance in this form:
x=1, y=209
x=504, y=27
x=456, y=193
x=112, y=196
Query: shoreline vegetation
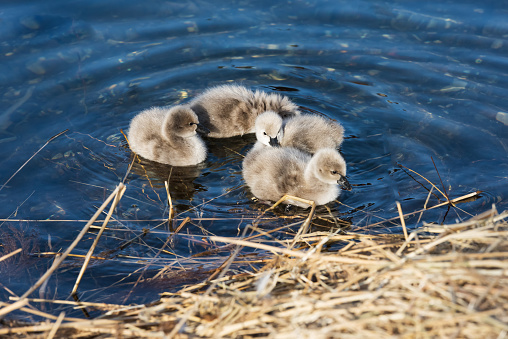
x=436, y=281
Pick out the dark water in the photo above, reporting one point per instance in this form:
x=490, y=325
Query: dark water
x=411, y=81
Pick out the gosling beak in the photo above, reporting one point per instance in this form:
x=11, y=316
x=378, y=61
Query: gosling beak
x=202, y=129
x=344, y=184
x=274, y=142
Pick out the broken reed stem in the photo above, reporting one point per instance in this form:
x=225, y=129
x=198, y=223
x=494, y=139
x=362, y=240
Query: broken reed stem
x=413, y=235
x=26, y=162
x=126, y=139
x=305, y=226
x=453, y=201
x=31, y=310
x=297, y=254
x=147, y=220
x=76, y=304
x=428, y=198
x=170, y=201
x=425, y=205
x=7, y=256
x=12, y=307
x=56, y=325
x=439, y=176
x=70, y=254
x=118, y=197
x=128, y=171
x=61, y=258
x=401, y=216
x=444, y=195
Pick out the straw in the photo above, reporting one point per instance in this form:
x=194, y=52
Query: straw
x=454, y=285
x=401, y=216
x=58, y=260
x=7, y=256
x=118, y=197
x=26, y=162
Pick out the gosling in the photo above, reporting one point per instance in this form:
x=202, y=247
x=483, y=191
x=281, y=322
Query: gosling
x=273, y=172
x=168, y=136
x=308, y=133
x=231, y=110
x=268, y=128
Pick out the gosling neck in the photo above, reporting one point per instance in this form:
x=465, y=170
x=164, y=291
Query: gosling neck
x=172, y=138
x=311, y=170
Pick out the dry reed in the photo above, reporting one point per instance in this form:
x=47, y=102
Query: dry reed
x=439, y=281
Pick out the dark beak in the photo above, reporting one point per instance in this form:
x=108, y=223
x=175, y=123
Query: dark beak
x=274, y=142
x=202, y=129
x=344, y=184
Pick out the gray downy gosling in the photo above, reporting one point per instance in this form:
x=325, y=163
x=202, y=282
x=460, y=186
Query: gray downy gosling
x=231, y=110
x=268, y=129
x=168, y=136
x=306, y=132
x=273, y=172
x=310, y=133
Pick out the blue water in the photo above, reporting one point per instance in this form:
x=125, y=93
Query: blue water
x=412, y=82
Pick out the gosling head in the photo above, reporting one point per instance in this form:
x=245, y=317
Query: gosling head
x=183, y=122
x=269, y=128
x=330, y=167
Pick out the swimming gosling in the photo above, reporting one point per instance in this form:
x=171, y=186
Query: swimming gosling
x=268, y=129
x=273, y=172
x=168, y=136
x=231, y=110
x=310, y=133
x=306, y=132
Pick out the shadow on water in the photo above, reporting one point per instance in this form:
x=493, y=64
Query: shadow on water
x=413, y=84
x=180, y=180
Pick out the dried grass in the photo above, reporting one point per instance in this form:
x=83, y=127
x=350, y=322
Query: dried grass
x=438, y=281
x=442, y=281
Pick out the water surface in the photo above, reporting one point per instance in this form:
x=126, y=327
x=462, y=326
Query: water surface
x=416, y=84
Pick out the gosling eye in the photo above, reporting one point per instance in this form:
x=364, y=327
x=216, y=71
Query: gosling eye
x=265, y=133
x=334, y=172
